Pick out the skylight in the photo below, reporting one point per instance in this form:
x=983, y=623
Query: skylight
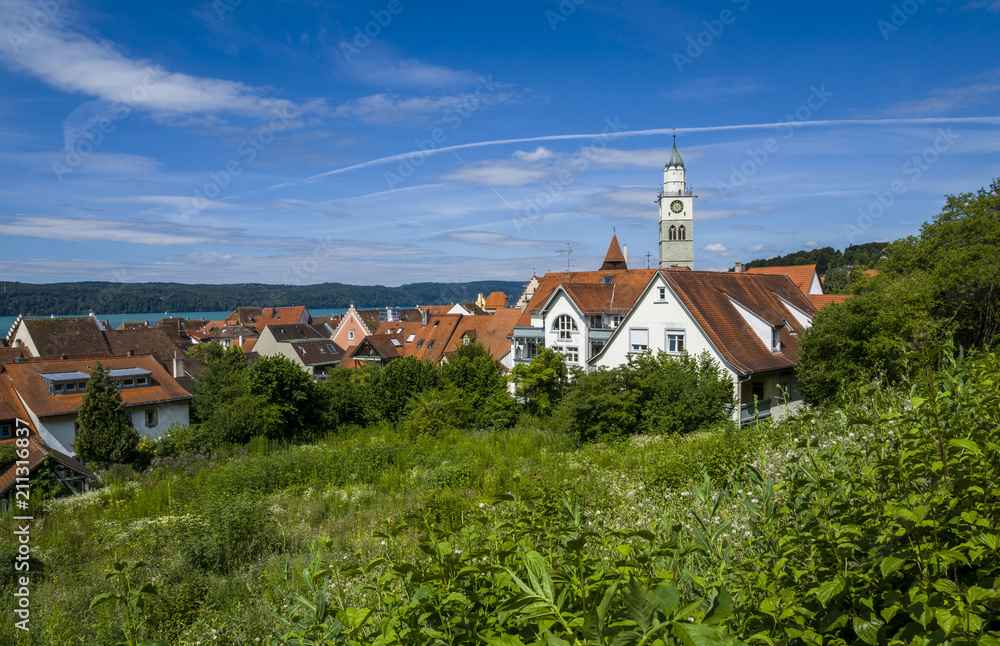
x=607, y=279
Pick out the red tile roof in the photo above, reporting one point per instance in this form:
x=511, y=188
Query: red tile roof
x=492, y=330
x=497, y=300
x=155, y=341
x=628, y=286
x=37, y=452
x=273, y=315
x=8, y=355
x=55, y=337
x=820, y=301
x=10, y=404
x=707, y=295
x=26, y=380
x=614, y=259
x=801, y=275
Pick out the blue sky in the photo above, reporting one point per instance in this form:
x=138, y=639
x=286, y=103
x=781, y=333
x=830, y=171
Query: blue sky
x=397, y=141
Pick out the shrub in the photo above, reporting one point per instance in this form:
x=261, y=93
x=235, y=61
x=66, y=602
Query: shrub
x=8, y=456
x=434, y=410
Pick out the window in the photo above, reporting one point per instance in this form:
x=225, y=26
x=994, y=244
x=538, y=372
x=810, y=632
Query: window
x=682, y=233
x=565, y=326
x=466, y=341
x=329, y=346
x=672, y=233
x=152, y=418
x=5, y=432
x=141, y=381
x=57, y=388
x=776, y=340
x=127, y=382
x=605, y=280
x=81, y=386
x=420, y=343
x=675, y=341
x=572, y=354
x=616, y=319
x=430, y=344
x=595, y=348
x=757, y=389
x=638, y=339
x=661, y=294
x=350, y=335
x=70, y=388
x=410, y=338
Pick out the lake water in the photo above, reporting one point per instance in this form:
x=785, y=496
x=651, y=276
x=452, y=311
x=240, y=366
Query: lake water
x=114, y=320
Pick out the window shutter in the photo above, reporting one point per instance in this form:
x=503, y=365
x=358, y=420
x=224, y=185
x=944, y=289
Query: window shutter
x=639, y=338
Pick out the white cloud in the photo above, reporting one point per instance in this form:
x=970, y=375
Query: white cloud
x=539, y=154
x=810, y=244
x=947, y=100
x=381, y=68
x=72, y=62
x=94, y=230
x=388, y=109
x=495, y=173
x=715, y=247
x=491, y=239
x=755, y=248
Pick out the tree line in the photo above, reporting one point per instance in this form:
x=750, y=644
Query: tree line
x=941, y=286
x=33, y=299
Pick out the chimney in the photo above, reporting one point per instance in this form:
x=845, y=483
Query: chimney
x=740, y=268
x=423, y=317
x=178, y=366
x=625, y=253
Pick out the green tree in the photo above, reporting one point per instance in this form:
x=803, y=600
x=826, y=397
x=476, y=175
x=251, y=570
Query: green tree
x=541, y=383
x=105, y=435
x=944, y=283
x=957, y=252
x=598, y=407
x=288, y=395
x=391, y=387
x=341, y=396
x=867, y=336
x=678, y=394
x=223, y=380
x=474, y=371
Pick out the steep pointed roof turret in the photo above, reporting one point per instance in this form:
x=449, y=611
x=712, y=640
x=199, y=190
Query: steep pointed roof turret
x=675, y=157
x=614, y=259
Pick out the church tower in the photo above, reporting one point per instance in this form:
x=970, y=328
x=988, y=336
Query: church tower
x=676, y=215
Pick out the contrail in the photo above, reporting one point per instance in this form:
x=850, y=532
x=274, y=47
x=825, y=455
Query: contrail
x=655, y=131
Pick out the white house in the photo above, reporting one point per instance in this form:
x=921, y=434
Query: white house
x=51, y=392
x=748, y=323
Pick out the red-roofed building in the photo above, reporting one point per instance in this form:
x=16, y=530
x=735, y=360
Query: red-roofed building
x=278, y=315
x=749, y=323
x=51, y=392
x=804, y=276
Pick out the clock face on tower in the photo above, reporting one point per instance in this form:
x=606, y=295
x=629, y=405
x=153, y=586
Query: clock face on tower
x=677, y=206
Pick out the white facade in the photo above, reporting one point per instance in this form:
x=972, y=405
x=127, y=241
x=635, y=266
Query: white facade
x=59, y=431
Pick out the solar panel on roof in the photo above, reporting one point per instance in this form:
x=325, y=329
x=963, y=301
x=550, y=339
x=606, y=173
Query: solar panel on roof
x=65, y=376
x=129, y=372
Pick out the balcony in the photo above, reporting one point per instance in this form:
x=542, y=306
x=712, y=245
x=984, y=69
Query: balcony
x=683, y=193
x=528, y=333
x=751, y=412
x=600, y=333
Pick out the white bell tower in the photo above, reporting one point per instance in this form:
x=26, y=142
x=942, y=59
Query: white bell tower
x=676, y=214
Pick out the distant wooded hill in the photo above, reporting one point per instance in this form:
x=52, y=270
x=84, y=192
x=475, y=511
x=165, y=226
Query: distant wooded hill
x=112, y=298
x=826, y=258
